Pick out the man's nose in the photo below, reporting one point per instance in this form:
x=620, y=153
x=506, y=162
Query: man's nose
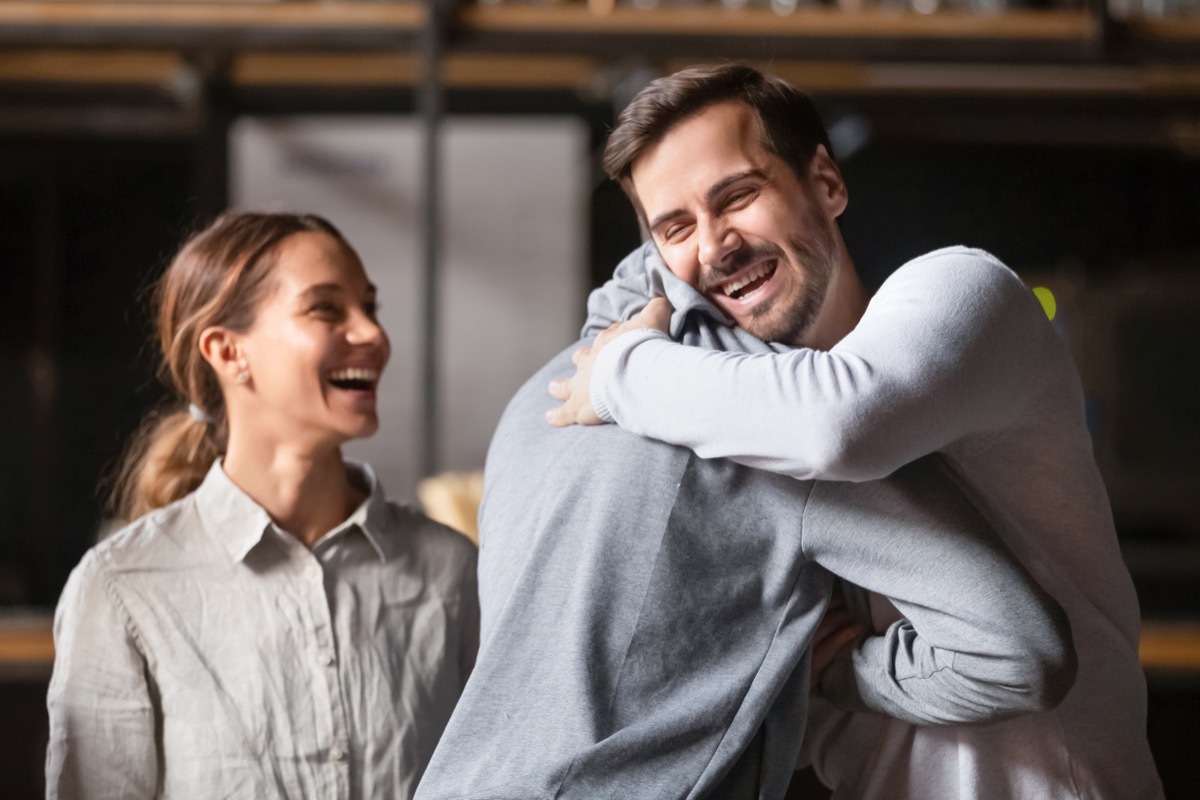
x=717, y=241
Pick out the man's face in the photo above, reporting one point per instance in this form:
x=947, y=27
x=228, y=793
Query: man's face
x=734, y=221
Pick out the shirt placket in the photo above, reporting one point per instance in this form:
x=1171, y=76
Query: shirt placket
x=333, y=734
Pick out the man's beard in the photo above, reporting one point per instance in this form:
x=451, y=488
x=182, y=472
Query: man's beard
x=814, y=253
x=789, y=325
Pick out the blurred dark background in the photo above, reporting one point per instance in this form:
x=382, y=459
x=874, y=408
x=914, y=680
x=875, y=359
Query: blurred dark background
x=1081, y=172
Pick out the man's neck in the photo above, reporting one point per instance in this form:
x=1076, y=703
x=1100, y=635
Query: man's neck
x=845, y=303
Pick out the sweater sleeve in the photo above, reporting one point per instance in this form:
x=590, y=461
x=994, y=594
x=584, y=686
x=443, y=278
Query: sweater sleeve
x=980, y=641
x=950, y=345
x=102, y=716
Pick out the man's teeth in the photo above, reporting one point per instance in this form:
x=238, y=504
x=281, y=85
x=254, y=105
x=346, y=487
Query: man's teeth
x=354, y=374
x=761, y=271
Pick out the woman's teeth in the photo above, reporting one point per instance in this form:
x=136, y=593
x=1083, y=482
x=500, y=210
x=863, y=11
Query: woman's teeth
x=354, y=378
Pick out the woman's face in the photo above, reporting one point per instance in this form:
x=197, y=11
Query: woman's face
x=315, y=351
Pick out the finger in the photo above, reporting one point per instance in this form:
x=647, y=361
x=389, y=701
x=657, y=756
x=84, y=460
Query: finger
x=558, y=417
x=581, y=353
x=560, y=389
x=658, y=305
x=607, y=335
x=657, y=313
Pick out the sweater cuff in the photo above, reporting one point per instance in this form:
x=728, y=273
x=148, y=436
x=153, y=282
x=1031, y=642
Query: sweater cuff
x=610, y=367
x=839, y=683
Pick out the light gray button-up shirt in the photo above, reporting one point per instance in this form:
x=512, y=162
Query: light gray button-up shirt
x=203, y=652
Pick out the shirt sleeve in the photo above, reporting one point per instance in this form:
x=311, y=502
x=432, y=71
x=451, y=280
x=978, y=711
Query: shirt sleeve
x=952, y=344
x=102, y=715
x=980, y=640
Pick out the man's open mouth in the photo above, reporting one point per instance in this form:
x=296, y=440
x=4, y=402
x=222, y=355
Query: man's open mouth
x=746, y=283
x=355, y=379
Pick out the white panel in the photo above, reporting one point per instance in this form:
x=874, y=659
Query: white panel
x=513, y=292
x=514, y=193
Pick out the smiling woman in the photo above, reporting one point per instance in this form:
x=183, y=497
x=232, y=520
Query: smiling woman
x=277, y=562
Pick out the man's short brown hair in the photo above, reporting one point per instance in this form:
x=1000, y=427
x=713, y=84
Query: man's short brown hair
x=790, y=125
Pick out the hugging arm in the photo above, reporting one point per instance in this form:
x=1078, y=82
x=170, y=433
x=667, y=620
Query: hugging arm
x=103, y=741
x=980, y=640
x=952, y=344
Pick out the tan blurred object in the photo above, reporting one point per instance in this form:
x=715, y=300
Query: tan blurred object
x=452, y=498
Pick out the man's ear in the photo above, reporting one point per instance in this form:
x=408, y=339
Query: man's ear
x=219, y=347
x=826, y=181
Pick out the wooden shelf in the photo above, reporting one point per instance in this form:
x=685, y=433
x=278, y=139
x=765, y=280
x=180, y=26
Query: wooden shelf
x=1053, y=35
x=1170, y=646
x=554, y=20
x=1177, y=38
x=286, y=26
x=27, y=645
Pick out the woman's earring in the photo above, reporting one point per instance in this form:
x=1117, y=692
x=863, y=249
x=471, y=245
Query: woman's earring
x=243, y=374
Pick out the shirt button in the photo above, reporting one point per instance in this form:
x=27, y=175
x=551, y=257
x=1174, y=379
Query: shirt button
x=314, y=572
x=336, y=753
x=327, y=658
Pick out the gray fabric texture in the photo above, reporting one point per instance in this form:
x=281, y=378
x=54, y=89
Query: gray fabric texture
x=647, y=613
x=955, y=356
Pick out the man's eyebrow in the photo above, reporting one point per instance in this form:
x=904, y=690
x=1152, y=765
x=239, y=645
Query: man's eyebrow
x=711, y=195
x=663, y=217
x=720, y=186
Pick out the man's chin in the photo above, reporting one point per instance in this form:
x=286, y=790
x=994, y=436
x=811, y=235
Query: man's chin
x=787, y=331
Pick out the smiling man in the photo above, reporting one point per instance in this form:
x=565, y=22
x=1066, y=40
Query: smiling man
x=727, y=224
x=731, y=173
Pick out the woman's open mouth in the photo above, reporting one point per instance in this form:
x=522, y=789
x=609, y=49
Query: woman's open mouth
x=356, y=379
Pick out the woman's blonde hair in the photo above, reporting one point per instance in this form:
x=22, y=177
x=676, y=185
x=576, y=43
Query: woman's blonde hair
x=218, y=278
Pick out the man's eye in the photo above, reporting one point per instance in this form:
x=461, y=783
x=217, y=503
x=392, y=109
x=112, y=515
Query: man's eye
x=371, y=309
x=324, y=307
x=740, y=198
x=674, y=232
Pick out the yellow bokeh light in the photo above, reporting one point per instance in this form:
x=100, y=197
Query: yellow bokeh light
x=1046, y=298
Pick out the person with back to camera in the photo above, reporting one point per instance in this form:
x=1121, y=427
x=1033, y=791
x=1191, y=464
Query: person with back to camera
x=730, y=172
x=269, y=625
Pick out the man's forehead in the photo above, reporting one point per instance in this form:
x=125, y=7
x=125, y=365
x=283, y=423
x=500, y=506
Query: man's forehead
x=699, y=151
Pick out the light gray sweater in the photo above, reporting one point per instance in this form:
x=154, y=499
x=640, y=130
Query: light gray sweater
x=646, y=614
x=955, y=356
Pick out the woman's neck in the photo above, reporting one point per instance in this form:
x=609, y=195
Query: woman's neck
x=306, y=494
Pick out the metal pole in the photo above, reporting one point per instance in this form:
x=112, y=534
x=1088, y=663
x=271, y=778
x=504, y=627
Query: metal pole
x=430, y=105
x=43, y=539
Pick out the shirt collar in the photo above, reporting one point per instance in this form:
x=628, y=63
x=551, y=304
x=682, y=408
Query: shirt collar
x=239, y=523
x=372, y=515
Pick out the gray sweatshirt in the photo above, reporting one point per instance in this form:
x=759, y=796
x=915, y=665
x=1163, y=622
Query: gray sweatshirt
x=953, y=355
x=647, y=614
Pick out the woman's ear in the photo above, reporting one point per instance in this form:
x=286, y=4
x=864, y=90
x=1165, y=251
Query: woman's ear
x=826, y=181
x=220, y=348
